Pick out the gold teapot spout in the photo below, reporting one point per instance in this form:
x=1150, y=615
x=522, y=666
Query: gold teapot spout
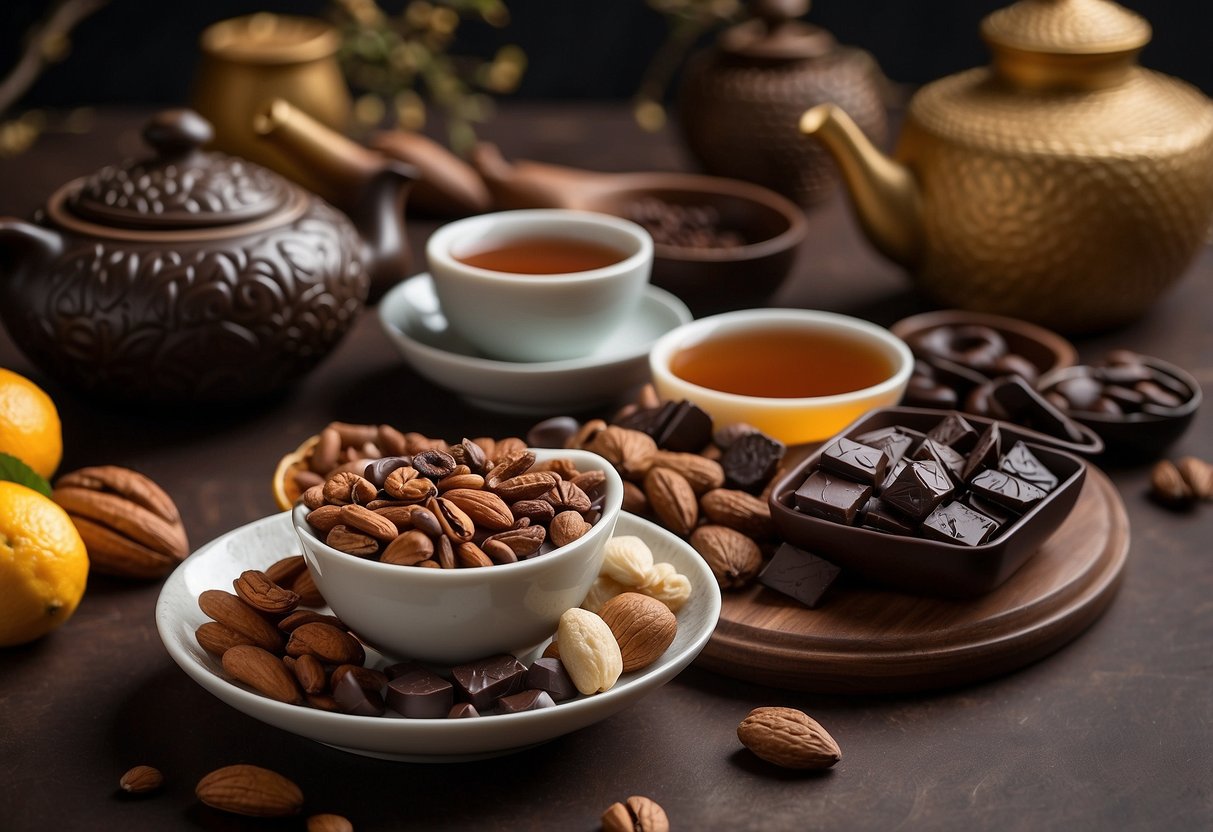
x=885, y=192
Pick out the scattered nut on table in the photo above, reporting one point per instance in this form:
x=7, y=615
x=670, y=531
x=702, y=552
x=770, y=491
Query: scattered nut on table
x=638, y=814
x=788, y=738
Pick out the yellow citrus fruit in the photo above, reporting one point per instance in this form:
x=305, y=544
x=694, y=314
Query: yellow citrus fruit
x=43, y=565
x=29, y=424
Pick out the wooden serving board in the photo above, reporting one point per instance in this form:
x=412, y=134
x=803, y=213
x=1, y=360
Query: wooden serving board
x=867, y=640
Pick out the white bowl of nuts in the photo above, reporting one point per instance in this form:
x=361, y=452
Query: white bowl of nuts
x=433, y=562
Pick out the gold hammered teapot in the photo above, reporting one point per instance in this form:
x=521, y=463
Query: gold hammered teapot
x=1063, y=184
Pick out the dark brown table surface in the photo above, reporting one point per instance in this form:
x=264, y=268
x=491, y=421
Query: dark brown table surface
x=1114, y=731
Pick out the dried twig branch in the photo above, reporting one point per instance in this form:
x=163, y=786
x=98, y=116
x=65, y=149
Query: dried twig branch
x=43, y=42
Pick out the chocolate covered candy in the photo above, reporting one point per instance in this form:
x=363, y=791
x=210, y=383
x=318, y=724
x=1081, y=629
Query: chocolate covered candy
x=527, y=700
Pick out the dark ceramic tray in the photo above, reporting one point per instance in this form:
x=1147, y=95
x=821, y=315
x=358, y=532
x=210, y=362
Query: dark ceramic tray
x=925, y=566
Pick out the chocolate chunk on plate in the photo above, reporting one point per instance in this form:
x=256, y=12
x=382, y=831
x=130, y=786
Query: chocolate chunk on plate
x=484, y=681
x=548, y=674
x=420, y=694
x=750, y=461
x=954, y=432
x=527, y=700
x=831, y=497
x=687, y=429
x=799, y=574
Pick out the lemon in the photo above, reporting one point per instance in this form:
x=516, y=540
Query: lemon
x=43, y=565
x=29, y=424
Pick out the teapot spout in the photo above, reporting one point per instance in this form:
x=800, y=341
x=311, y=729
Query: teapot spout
x=369, y=187
x=884, y=192
x=23, y=243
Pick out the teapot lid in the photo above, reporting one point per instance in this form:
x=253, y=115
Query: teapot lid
x=773, y=33
x=1066, y=27
x=181, y=186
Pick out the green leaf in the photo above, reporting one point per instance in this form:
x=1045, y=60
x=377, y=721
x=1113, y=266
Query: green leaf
x=14, y=470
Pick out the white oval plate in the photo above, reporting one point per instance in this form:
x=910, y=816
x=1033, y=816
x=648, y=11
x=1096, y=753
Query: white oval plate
x=412, y=318
x=393, y=737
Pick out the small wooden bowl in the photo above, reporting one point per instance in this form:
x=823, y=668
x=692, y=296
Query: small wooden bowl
x=1043, y=348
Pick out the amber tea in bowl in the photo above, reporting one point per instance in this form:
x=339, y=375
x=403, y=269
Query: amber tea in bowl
x=541, y=285
x=797, y=375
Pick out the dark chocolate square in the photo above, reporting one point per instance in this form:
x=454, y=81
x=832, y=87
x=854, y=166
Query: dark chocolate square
x=548, y=674
x=1021, y=462
x=831, y=497
x=799, y=574
x=1006, y=490
x=878, y=517
x=894, y=472
x=527, y=700
x=957, y=523
x=894, y=441
x=918, y=489
x=420, y=694
x=750, y=461
x=984, y=454
x=687, y=428
x=955, y=432
x=855, y=461
x=484, y=681
x=949, y=459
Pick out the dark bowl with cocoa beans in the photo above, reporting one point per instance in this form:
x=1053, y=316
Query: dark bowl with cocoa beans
x=1137, y=404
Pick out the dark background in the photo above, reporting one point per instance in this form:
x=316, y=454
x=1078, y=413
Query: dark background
x=144, y=51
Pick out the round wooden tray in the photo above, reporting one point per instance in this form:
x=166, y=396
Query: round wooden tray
x=866, y=640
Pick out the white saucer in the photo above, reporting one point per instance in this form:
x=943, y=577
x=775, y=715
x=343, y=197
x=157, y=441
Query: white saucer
x=412, y=318
x=393, y=737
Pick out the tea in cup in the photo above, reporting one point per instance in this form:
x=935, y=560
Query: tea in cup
x=539, y=285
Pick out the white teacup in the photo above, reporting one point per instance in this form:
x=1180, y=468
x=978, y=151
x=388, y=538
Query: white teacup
x=516, y=316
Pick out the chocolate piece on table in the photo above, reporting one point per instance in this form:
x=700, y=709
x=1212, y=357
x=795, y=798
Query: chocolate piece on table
x=855, y=461
x=527, y=700
x=1021, y=462
x=750, y=461
x=687, y=428
x=957, y=523
x=648, y=420
x=353, y=698
x=548, y=674
x=894, y=441
x=878, y=517
x=486, y=680
x=553, y=432
x=420, y=694
x=1006, y=490
x=918, y=489
x=831, y=497
x=984, y=454
x=1027, y=407
x=955, y=432
x=947, y=458
x=462, y=710
x=799, y=574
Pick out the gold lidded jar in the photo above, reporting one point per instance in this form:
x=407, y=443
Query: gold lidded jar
x=740, y=100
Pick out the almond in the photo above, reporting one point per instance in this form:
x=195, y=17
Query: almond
x=566, y=527
x=733, y=558
x=262, y=671
x=486, y=509
x=1198, y=475
x=327, y=643
x=703, y=474
x=1169, y=486
x=284, y=571
x=672, y=500
x=234, y=614
x=310, y=674
x=528, y=486
x=630, y=451
x=329, y=823
x=788, y=738
x=217, y=639
x=362, y=519
x=305, y=587
x=259, y=592
x=250, y=790
x=643, y=626
x=738, y=510
x=141, y=780
x=639, y=814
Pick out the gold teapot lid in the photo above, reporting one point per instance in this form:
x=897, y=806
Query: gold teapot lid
x=774, y=34
x=1065, y=43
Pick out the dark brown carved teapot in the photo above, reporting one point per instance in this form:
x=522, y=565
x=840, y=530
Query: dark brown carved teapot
x=192, y=276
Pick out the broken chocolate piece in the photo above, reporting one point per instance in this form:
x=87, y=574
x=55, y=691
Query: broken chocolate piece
x=799, y=574
x=462, y=710
x=686, y=429
x=486, y=680
x=954, y=432
x=831, y=497
x=949, y=459
x=895, y=442
x=878, y=517
x=353, y=698
x=548, y=674
x=527, y=700
x=750, y=462
x=420, y=694
x=984, y=454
